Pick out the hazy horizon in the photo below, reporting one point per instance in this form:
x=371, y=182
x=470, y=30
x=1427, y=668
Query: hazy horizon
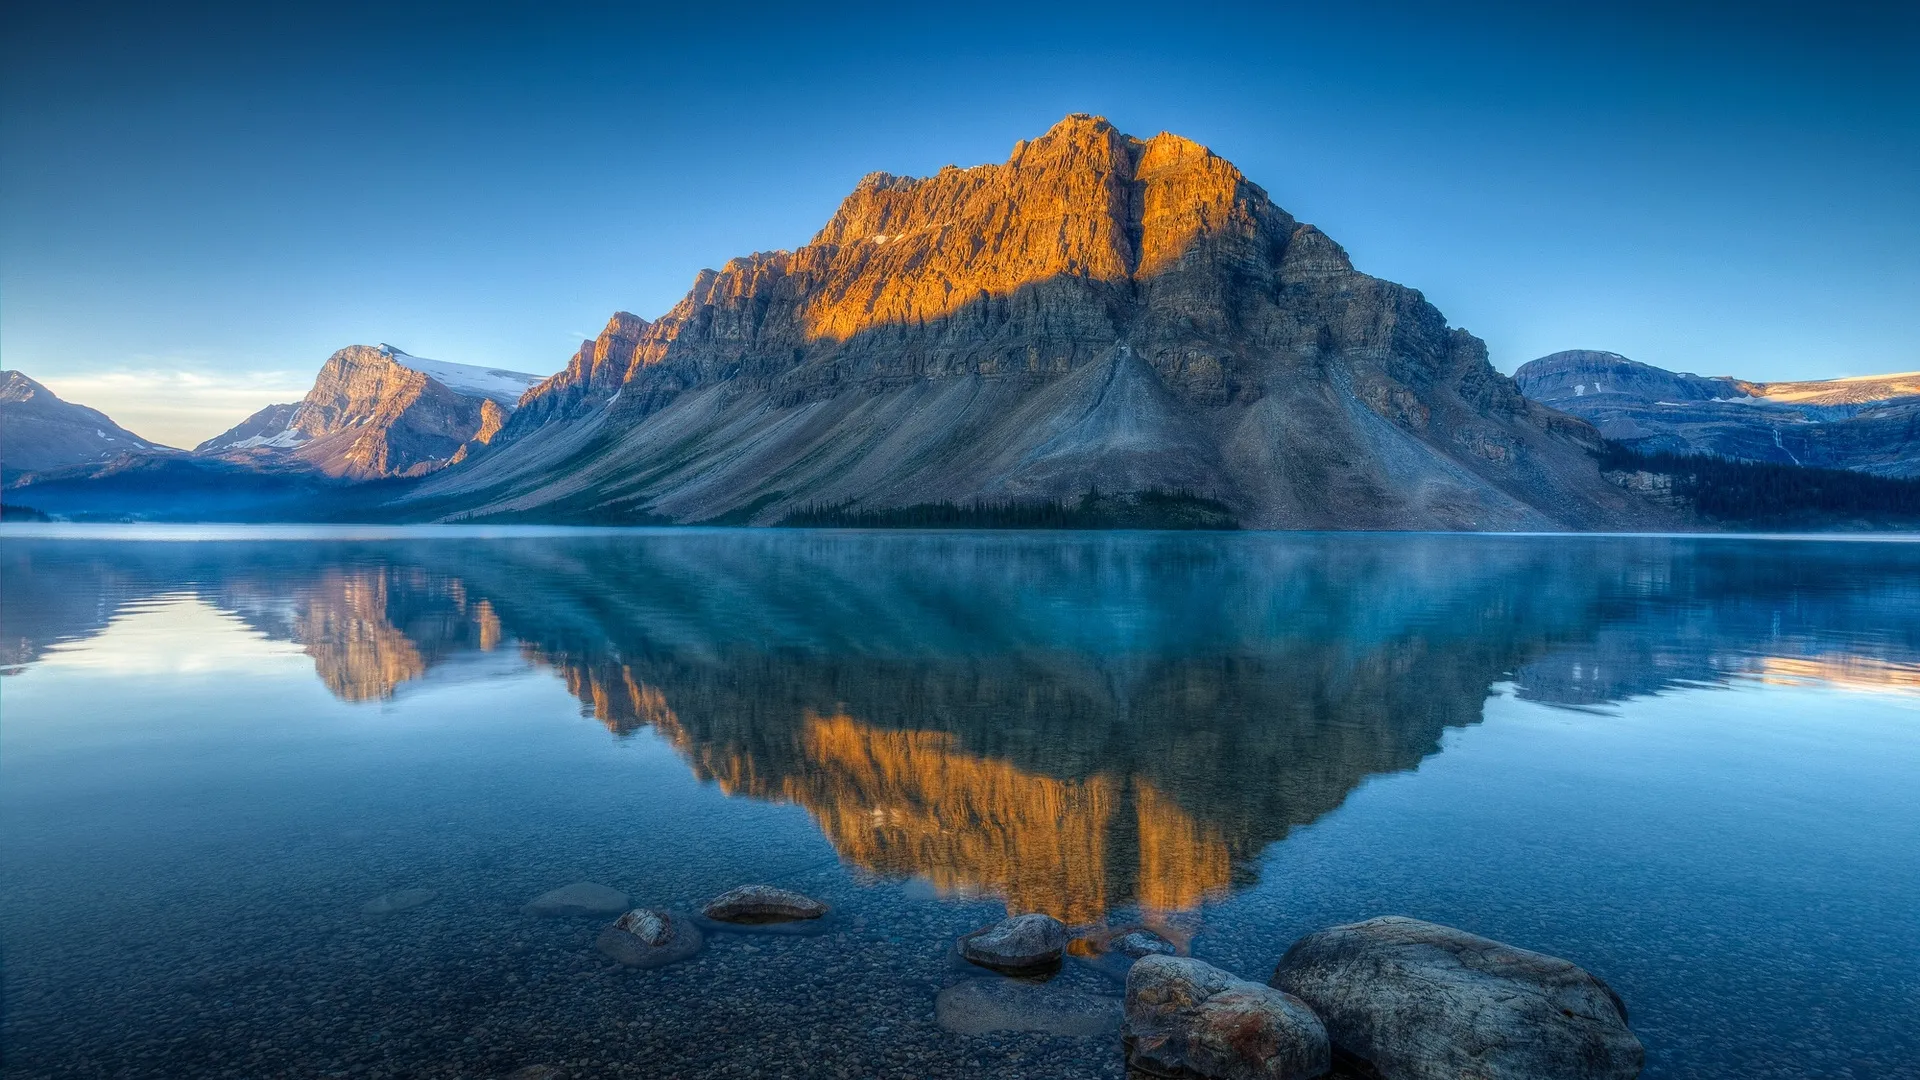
x=203, y=203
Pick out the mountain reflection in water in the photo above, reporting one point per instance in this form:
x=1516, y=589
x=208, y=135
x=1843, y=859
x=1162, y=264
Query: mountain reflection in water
x=1077, y=724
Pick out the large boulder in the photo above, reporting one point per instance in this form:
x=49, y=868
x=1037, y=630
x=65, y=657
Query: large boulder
x=1021, y=943
x=646, y=938
x=762, y=904
x=1420, y=1001
x=1186, y=1018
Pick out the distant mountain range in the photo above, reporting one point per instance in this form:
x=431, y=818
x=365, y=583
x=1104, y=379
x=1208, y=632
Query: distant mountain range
x=1101, y=330
x=1869, y=424
x=375, y=413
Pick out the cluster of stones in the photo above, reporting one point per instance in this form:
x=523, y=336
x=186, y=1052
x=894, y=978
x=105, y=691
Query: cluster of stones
x=655, y=937
x=1392, y=997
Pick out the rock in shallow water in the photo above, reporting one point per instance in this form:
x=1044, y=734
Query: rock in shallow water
x=1188, y=1018
x=645, y=938
x=1139, y=943
x=651, y=927
x=579, y=898
x=762, y=904
x=1021, y=943
x=1420, y=1001
x=397, y=901
x=979, y=1006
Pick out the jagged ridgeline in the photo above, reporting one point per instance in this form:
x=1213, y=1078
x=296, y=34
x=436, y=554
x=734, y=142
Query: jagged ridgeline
x=1099, y=313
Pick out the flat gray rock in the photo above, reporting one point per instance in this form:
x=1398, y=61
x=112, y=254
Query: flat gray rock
x=1421, y=1001
x=762, y=904
x=397, y=901
x=982, y=1005
x=1186, y=1018
x=577, y=899
x=1021, y=943
x=644, y=938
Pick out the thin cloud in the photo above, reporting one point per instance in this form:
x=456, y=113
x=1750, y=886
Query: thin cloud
x=178, y=407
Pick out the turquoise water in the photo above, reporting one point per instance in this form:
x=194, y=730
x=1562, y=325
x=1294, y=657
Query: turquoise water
x=1688, y=765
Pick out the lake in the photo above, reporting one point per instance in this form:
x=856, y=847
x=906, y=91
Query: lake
x=1690, y=765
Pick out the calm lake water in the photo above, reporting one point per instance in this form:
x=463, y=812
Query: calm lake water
x=1690, y=765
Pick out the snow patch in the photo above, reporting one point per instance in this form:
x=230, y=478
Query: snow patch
x=504, y=387
x=284, y=439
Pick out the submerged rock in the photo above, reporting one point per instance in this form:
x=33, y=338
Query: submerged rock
x=1021, y=943
x=646, y=938
x=981, y=1005
x=1420, y=1001
x=397, y=901
x=1139, y=943
x=1112, y=951
x=1187, y=1018
x=762, y=904
x=579, y=898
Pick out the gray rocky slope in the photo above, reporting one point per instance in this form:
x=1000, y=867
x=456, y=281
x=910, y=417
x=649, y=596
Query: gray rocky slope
x=1098, y=312
x=1871, y=424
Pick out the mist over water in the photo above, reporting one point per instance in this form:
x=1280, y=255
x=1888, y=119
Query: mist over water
x=1685, y=764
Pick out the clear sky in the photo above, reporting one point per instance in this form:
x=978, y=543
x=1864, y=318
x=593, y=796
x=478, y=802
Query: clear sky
x=201, y=202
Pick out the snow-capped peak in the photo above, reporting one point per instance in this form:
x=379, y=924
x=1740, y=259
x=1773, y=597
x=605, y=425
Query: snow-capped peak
x=499, y=384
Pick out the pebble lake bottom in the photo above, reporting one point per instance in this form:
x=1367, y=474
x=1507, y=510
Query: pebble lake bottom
x=1687, y=764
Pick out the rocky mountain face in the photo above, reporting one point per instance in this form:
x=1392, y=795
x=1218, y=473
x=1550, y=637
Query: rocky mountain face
x=1870, y=424
x=375, y=411
x=1098, y=312
x=38, y=430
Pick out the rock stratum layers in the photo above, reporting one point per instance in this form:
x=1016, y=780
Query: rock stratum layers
x=1098, y=312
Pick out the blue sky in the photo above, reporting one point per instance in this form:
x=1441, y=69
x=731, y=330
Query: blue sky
x=200, y=202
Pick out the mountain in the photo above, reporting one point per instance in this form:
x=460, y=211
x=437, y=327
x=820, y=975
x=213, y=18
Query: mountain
x=1868, y=424
x=271, y=426
x=375, y=412
x=38, y=430
x=1099, y=313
